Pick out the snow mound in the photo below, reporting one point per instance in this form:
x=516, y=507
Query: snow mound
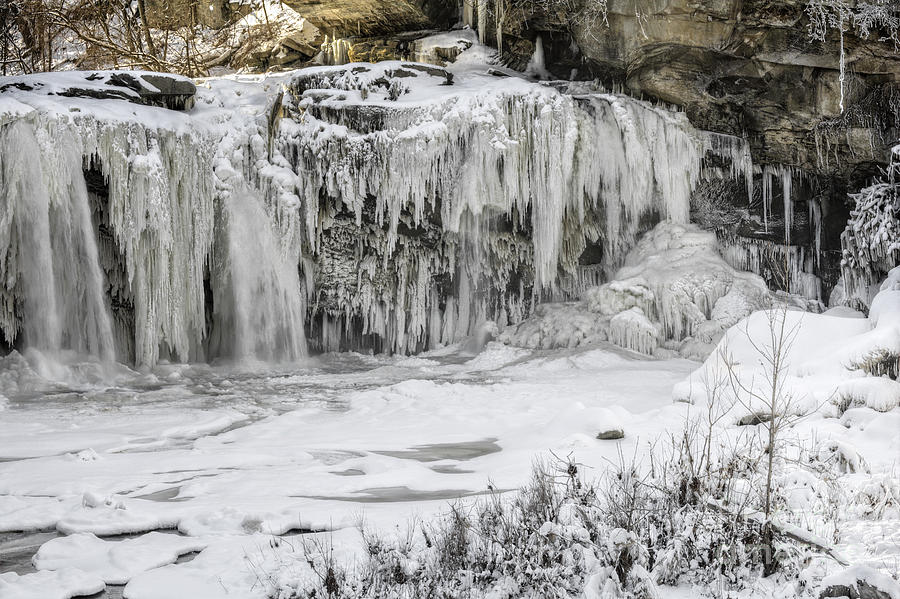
x=825, y=359
x=62, y=584
x=859, y=577
x=674, y=291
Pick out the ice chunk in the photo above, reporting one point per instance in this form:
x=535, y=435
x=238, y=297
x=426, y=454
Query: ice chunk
x=62, y=584
x=115, y=562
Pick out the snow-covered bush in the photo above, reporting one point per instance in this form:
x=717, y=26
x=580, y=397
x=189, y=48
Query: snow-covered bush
x=871, y=241
x=622, y=535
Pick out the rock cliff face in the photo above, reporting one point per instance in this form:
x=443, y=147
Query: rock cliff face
x=735, y=66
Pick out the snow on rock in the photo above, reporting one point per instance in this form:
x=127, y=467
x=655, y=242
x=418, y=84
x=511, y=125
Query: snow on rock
x=113, y=515
x=61, y=584
x=860, y=581
x=233, y=521
x=154, y=89
x=233, y=568
x=115, y=562
x=674, y=286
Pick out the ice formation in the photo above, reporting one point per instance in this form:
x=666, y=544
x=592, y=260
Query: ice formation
x=395, y=206
x=142, y=245
x=498, y=195
x=788, y=267
x=674, y=291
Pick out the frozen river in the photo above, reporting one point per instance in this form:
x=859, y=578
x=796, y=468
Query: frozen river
x=228, y=457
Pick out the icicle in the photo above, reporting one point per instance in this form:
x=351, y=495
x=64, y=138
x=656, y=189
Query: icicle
x=815, y=218
x=483, y=12
x=736, y=152
x=335, y=52
x=766, y=195
x=783, y=266
x=537, y=66
x=786, y=179
x=468, y=13
x=500, y=6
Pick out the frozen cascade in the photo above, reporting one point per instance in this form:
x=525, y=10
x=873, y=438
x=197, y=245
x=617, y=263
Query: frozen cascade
x=334, y=52
x=537, y=66
x=166, y=232
x=566, y=170
x=258, y=301
x=402, y=208
x=48, y=251
x=160, y=208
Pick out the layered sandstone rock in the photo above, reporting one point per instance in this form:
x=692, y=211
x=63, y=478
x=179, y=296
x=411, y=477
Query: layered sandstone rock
x=735, y=66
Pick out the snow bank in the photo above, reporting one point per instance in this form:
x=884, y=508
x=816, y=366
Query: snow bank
x=824, y=358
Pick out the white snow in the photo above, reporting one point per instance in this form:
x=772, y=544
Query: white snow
x=115, y=562
x=673, y=287
x=243, y=459
x=62, y=584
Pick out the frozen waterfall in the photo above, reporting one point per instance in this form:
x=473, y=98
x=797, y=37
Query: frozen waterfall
x=143, y=247
x=387, y=206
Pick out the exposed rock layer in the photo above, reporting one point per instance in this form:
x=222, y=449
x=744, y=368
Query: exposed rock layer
x=736, y=66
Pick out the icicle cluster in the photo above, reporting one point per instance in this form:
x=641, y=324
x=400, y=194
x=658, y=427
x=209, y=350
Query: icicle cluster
x=481, y=172
x=787, y=267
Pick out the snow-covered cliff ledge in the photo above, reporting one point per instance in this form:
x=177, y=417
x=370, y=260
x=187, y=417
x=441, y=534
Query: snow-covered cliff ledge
x=407, y=202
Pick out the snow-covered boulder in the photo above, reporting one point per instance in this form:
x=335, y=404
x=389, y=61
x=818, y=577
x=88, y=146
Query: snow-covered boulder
x=860, y=582
x=153, y=89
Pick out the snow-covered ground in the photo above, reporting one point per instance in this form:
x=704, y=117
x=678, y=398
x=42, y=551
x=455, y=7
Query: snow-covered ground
x=231, y=457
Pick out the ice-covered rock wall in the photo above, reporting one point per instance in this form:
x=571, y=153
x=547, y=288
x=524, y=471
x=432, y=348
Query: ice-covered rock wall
x=466, y=201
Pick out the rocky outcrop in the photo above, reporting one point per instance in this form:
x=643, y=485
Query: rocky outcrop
x=743, y=67
x=748, y=68
x=152, y=89
x=362, y=18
